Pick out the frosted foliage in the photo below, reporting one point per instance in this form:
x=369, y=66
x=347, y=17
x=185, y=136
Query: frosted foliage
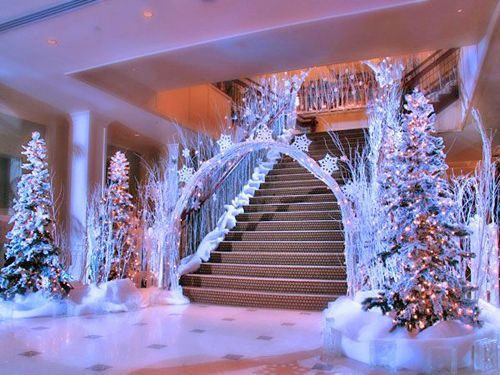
x=264, y=134
x=32, y=257
x=329, y=163
x=386, y=72
x=302, y=143
x=422, y=231
x=476, y=194
x=158, y=198
x=224, y=142
x=185, y=173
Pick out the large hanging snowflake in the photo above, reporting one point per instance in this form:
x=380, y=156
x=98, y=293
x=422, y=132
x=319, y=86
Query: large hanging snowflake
x=302, y=143
x=264, y=134
x=225, y=142
x=329, y=163
x=185, y=173
x=186, y=153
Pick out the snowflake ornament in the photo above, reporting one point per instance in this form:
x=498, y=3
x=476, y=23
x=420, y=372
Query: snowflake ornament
x=185, y=173
x=329, y=163
x=186, y=153
x=302, y=143
x=350, y=189
x=264, y=134
x=225, y=142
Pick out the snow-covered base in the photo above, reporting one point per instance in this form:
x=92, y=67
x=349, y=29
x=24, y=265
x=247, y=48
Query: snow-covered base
x=228, y=220
x=113, y=296
x=361, y=330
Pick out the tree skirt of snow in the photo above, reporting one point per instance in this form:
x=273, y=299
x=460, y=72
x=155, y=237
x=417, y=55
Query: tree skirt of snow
x=112, y=296
x=361, y=330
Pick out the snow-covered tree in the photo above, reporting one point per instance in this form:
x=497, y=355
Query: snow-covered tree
x=110, y=225
x=32, y=257
x=423, y=232
x=121, y=215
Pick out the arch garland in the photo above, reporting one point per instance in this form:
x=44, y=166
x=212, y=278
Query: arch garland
x=229, y=155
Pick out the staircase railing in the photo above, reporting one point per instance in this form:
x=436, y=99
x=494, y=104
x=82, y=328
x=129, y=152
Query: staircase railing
x=224, y=185
x=352, y=88
x=437, y=77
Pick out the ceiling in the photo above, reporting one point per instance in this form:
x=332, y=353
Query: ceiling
x=109, y=58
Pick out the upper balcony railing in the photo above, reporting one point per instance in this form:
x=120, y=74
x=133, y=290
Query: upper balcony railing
x=437, y=77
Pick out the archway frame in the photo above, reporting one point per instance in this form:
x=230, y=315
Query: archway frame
x=237, y=151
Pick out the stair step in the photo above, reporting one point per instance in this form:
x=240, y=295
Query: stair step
x=264, y=199
x=278, y=258
x=288, y=225
x=296, y=170
x=303, y=175
x=294, y=190
x=312, y=182
x=308, y=235
x=285, y=246
x=292, y=207
x=284, y=285
x=292, y=301
x=286, y=216
x=283, y=271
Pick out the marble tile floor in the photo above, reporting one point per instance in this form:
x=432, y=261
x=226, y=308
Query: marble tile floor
x=192, y=339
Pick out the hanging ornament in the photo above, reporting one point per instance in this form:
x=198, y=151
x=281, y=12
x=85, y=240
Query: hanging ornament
x=185, y=173
x=264, y=134
x=302, y=143
x=329, y=163
x=225, y=142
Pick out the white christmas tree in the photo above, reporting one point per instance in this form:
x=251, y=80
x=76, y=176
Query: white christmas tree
x=32, y=258
x=121, y=216
x=423, y=232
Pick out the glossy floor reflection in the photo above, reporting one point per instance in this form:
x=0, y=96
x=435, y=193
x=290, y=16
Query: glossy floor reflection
x=193, y=339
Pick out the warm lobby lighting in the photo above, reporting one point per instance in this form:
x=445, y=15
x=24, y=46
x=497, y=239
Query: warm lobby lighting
x=147, y=13
x=52, y=42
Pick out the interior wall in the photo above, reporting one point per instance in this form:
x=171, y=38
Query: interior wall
x=200, y=108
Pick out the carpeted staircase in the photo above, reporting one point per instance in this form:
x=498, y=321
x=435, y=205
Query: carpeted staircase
x=286, y=250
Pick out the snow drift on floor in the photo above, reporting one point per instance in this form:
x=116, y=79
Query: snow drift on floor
x=361, y=330
x=113, y=296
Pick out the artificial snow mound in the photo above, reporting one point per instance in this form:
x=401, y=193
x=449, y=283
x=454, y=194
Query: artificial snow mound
x=113, y=296
x=361, y=329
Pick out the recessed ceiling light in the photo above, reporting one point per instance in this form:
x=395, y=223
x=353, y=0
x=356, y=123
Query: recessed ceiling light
x=52, y=42
x=137, y=135
x=147, y=13
x=460, y=10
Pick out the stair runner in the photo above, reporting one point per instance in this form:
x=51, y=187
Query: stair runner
x=286, y=250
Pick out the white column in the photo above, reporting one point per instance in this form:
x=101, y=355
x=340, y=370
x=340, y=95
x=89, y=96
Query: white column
x=88, y=162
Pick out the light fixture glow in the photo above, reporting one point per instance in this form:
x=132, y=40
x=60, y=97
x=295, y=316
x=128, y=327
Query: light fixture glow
x=52, y=42
x=147, y=13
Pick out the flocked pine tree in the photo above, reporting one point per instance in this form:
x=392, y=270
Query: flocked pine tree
x=32, y=258
x=423, y=234
x=119, y=201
